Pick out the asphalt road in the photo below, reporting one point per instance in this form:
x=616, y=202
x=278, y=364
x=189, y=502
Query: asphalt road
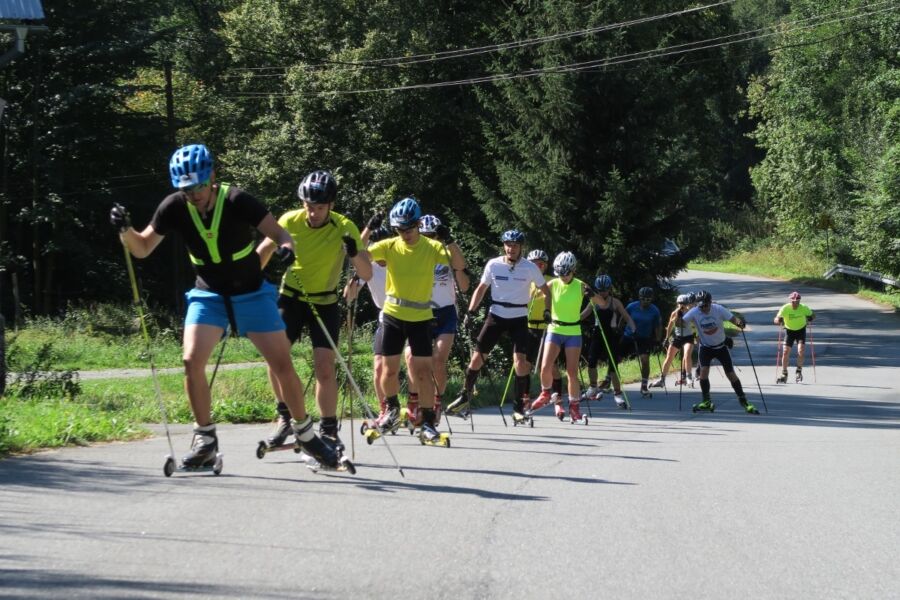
x=797, y=503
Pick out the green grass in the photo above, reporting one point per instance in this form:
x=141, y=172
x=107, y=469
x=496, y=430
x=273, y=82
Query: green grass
x=796, y=266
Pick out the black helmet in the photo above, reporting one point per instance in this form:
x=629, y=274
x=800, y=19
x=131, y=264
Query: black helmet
x=382, y=233
x=645, y=293
x=703, y=297
x=319, y=187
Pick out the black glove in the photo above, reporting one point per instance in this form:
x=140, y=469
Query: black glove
x=443, y=234
x=547, y=317
x=350, y=245
x=781, y=320
x=119, y=217
x=285, y=255
x=741, y=322
x=375, y=221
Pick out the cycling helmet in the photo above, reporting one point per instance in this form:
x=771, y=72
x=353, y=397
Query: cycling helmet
x=603, y=283
x=564, y=263
x=429, y=224
x=319, y=187
x=645, y=293
x=692, y=297
x=405, y=213
x=538, y=255
x=703, y=297
x=683, y=299
x=382, y=233
x=795, y=296
x=190, y=166
x=513, y=235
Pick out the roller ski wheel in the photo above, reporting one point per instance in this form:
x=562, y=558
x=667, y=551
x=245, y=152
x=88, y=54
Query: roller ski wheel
x=213, y=465
x=169, y=467
x=782, y=378
x=263, y=448
x=522, y=419
x=798, y=377
x=372, y=435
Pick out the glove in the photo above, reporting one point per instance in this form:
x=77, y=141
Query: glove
x=781, y=320
x=741, y=323
x=547, y=317
x=285, y=255
x=350, y=245
x=467, y=321
x=374, y=222
x=443, y=234
x=119, y=217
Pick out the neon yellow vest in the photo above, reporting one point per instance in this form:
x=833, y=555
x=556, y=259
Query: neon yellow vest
x=211, y=236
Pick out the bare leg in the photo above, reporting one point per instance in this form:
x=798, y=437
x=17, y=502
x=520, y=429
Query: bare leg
x=276, y=349
x=199, y=341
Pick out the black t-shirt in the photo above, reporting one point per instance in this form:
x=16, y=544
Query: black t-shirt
x=241, y=214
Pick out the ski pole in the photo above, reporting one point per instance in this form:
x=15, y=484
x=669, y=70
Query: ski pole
x=778, y=353
x=351, y=320
x=662, y=375
x=612, y=360
x=212, y=379
x=140, y=310
x=812, y=351
x=337, y=354
x=581, y=383
x=744, y=334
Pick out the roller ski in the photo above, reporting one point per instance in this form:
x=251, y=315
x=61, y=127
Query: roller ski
x=749, y=408
x=428, y=434
x=522, y=415
x=372, y=423
x=389, y=422
x=317, y=454
x=704, y=405
x=278, y=439
x=592, y=393
x=661, y=382
x=782, y=378
x=798, y=375
x=540, y=402
x=460, y=406
x=575, y=414
x=620, y=401
x=409, y=415
x=645, y=393
x=203, y=457
x=686, y=379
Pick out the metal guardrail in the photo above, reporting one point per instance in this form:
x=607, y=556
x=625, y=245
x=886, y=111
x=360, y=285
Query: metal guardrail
x=857, y=272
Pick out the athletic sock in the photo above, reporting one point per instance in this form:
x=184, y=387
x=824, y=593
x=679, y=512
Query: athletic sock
x=557, y=386
x=738, y=388
x=523, y=382
x=704, y=386
x=471, y=378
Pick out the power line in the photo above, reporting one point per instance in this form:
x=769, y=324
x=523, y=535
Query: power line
x=603, y=63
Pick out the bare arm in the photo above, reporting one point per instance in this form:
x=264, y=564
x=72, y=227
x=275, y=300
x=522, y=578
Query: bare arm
x=620, y=308
x=477, y=296
x=545, y=290
x=672, y=318
x=276, y=237
x=142, y=244
x=458, y=264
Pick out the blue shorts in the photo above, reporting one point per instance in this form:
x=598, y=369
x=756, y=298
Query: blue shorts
x=564, y=341
x=446, y=320
x=256, y=312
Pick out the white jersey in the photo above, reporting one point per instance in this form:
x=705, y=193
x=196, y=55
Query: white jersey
x=511, y=284
x=444, y=291
x=377, y=283
x=709, y=325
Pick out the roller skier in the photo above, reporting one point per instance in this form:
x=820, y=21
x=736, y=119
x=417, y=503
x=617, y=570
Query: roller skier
x=609, y=313
x=641, y=339
x=794, y=317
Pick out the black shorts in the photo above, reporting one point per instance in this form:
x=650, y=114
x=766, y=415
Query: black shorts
x=597, y=351
x=634, y=346
x=296, y=314
x=720, y=353
x=792, y=335
x=398, y=332
x=494, y=326
x=378, y=338
x=679, y=342
x=535, y=336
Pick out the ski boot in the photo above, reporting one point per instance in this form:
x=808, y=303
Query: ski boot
x=683, y=380
x=747, y=406
x=645, y=393
x=328, y=431
x=203, y=456
x=704, y=405
x=278, y=439
x=592, y=393
x=661, y=382
x=321, y=456
x=522, y=413
x=428, y=433
x=389, y=422
x=782, y=378
x=460, y=406
x=620, y=400
x=371, y=423
x=575, y=413
x=558, y=409
x=539, y=403
x=410, y=415
x=798, y=375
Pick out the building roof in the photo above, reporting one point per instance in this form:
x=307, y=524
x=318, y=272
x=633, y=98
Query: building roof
x=21, y=9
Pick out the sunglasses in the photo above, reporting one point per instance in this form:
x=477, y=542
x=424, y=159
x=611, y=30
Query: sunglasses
x=405, y=229
x=194, y=188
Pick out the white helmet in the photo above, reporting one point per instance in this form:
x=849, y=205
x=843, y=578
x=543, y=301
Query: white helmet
x=537, y=254
x=564, y=263
x=429, y=224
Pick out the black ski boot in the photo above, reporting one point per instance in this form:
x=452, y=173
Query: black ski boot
x=428, y=433
x=204, y=448
x=782, y=378
x=798, y=374
x=282, y=429
x=460, y=406
x=328, y=431
x=313, y=445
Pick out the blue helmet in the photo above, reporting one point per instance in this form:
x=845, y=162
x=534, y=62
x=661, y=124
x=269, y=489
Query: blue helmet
x=429, y=224
x=603, y=283
x=513, y=235
x=318, y=187
x=564, y=263
x=405, y=213
x=190, y=166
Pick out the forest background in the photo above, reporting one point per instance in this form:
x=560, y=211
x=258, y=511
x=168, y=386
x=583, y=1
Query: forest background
x=600, y=127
